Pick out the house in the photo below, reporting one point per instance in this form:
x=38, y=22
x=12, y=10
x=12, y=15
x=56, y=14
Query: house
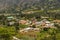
x=24, y=22
x=37, y=23
x=46, y=23
x=29, y=29
x=15, y=38
x=10, y=23
x=44, y=17
x=26, y=29
x=10, y=18
x=57, y=21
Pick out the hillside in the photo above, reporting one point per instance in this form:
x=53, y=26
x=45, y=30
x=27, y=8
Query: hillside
x=4, y=4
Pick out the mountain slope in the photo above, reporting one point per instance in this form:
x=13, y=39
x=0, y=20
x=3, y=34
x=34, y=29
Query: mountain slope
x=28, y=3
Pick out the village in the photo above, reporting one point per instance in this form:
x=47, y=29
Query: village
x=31, y=24
x=29, y=27
x=29, y=19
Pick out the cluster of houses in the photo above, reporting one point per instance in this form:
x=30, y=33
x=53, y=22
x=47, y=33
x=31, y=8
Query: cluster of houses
x=43, y=23
x=32, y=24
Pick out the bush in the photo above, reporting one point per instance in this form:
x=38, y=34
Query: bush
x=6, y=32
x=23, y=26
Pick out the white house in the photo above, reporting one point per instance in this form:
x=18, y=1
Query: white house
x=46, y=23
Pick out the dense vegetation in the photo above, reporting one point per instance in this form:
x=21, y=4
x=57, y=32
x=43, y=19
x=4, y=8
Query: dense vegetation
x=7, y=33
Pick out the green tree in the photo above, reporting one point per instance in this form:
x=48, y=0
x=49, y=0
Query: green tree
x=6, y=33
